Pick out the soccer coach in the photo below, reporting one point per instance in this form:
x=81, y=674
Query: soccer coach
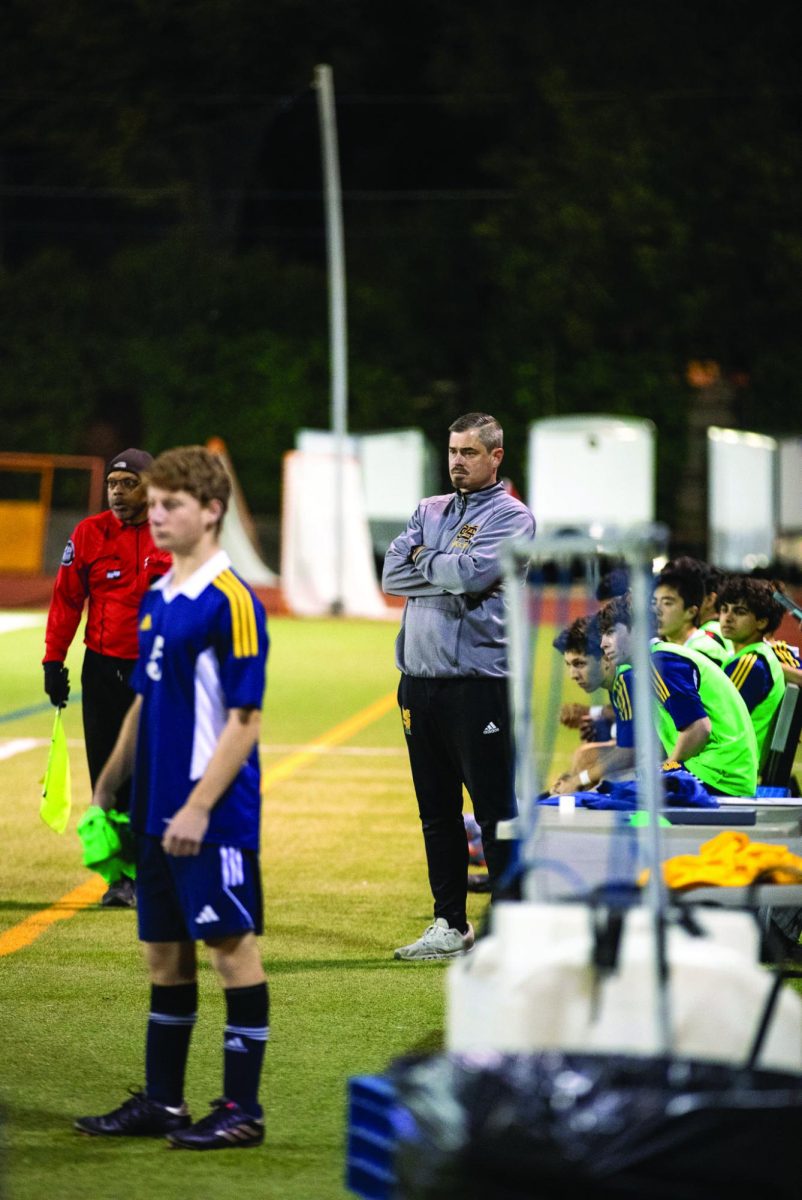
x=452, y=654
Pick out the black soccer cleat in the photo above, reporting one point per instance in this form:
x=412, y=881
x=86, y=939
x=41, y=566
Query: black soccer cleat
x=227, y=1127
x=137, y=1117
x=121, y=894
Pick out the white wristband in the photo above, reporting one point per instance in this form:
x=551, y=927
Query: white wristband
x=584, y=778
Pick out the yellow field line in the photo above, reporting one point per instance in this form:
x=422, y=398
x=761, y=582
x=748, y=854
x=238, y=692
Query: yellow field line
x=27, y=931
x=333, y=737
x=19, y=936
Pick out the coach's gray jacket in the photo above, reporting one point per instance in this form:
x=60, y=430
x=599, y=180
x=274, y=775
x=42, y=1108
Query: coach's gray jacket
x=453, y=623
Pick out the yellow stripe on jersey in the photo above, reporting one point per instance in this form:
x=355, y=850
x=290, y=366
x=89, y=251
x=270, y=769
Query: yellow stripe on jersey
x=659, y=685
x=742, y=668
x=243, y=618
x=785, y=653
x=622, y=700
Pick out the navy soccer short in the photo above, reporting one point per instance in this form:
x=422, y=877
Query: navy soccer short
x=215, y=894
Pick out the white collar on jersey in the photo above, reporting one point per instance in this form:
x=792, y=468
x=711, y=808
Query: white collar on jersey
x=198, y=580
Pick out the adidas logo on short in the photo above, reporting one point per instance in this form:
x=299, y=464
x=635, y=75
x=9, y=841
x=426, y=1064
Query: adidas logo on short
x=491, y=727
x=206, y=915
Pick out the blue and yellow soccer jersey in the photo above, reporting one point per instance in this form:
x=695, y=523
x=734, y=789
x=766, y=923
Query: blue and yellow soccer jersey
x=675, y=682
x=676, y=685
x=756, y=672
x=621, y=700
x=752, y=676
x=788, y=656
x=689, y=686
x=202, y=651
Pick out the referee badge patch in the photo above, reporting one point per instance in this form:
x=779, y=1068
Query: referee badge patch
x=69, y=553
x=406, y=717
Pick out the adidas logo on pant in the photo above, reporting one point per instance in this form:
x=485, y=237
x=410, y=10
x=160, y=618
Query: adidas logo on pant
x=491, y=727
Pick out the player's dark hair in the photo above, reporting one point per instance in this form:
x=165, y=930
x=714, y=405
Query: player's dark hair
x=582, y=636
x=688, y=581
x=617, y=612
x=757, y=596
x=488, y=430
x=195, y=470
x=614, y=583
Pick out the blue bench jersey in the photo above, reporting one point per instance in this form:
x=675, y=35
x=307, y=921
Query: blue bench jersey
x=675, y=682
x=202, y=651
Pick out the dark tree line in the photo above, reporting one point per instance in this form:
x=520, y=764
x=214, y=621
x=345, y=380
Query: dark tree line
x=550, y=207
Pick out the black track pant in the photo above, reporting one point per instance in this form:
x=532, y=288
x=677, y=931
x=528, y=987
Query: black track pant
x=106, y=699
x=458, y=732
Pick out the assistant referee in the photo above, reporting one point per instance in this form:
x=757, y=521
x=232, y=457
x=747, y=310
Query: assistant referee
x=108, y=564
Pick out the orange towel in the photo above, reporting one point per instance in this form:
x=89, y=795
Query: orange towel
x=730, y=859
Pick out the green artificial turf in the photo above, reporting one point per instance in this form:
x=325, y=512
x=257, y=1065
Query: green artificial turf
x=345, y=883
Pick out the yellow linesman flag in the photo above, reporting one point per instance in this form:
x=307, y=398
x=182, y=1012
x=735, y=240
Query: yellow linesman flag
x=57, y=787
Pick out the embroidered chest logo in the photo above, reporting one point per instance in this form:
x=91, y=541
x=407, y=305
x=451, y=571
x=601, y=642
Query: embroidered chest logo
x=465, y=536
x=406, y=717
x=115, y=574
x=146, y=622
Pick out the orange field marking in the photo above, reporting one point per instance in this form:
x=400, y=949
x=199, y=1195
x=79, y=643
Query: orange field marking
x=88, y=893
x=19, y=936
x=333, y=737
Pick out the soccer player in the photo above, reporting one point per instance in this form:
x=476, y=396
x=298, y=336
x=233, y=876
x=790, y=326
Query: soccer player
x=709, y=622
x=452, y=654
x=749, y=613
x=702, y=722
x=580, y=645
x=679, y=597
x=191, y=738
x=108, y=564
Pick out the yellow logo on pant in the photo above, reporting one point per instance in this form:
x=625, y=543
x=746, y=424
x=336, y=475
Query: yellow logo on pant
x=406, y=717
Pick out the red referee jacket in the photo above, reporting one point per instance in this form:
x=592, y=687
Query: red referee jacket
x=111, y=565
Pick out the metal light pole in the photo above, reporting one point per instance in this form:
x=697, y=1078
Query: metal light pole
x=338, y=355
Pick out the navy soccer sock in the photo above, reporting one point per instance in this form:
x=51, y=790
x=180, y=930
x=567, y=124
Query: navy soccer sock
x=246, y=1033
x=173, y=1011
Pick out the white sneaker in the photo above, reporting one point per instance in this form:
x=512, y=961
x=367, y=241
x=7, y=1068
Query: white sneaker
x=438, y=941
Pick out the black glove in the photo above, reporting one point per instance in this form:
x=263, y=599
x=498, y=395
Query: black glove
x=57, y=683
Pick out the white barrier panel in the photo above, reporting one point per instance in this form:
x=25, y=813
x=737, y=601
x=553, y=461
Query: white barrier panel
x=308, y=568
x=790, y=490
x=398, y=468
x=741, y=504
x=588, y=470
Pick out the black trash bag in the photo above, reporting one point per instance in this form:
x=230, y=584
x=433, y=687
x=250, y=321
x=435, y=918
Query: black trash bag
x=551, y=1126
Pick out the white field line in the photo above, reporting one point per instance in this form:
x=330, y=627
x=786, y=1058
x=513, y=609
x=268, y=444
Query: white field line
x=10, y=622
x=13, y=746
x=16, y=746
x=352, y=751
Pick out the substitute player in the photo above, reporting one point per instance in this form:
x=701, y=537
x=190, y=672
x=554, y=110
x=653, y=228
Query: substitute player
x=749, y=613
x=191, y=739
x=702, y=722
x=580, y=646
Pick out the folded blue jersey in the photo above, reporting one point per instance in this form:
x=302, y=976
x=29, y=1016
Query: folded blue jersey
x=680, y=789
